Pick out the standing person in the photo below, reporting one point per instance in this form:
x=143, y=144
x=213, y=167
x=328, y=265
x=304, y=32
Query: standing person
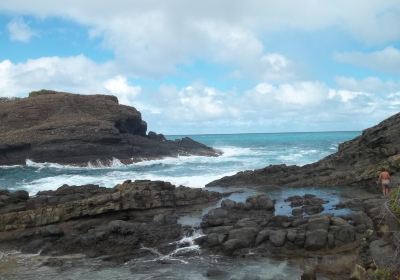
x=384, y=181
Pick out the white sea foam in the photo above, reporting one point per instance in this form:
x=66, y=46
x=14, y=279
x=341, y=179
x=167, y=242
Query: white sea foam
x=110, y=179
x=192, y=171
x=228, y=152
x=10, y=166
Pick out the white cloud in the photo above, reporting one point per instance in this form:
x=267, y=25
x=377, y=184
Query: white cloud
x=386, y=60
x=76, y=74
x=20, y=31
x=195, y=102
x=368, y=84
x=152, y=38
x=345, y=96
x=303, y=94
x=120, y=87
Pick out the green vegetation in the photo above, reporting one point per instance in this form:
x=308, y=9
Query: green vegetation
x=394, y=201
x=41, y=92
x=383, y=273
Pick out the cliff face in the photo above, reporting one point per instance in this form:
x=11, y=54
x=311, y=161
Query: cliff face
x=357, y=162
x=61, y=127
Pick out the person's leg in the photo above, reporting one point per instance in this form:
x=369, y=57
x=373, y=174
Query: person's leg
x=383, y=189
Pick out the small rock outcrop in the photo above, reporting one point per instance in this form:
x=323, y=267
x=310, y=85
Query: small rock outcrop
x=308, y=204
x=50, y=126
x=356, y=163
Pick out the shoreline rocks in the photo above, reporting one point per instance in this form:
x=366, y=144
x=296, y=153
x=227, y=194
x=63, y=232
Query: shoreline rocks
x=137, y=219
x=237, y=229
x=356, y=163
x=100, y=221
x=59, y=127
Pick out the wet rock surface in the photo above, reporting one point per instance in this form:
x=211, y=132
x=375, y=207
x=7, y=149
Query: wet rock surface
x=236, y=228
x=139, y=219
x=356, y=163
x=98, y=221
x=60, y=127
x=308, y=204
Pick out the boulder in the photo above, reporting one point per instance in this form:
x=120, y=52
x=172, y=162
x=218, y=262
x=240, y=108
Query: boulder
x=344, y=234
x=296, y=236
x=233, y=244
x=277, y=237
x=215, y=239
x=382, y=252
x=260, y=202
x=337, y=221
x=215, y=217
x=318, y=223
x=262, y=236
x=245, y=235
x=316, y=239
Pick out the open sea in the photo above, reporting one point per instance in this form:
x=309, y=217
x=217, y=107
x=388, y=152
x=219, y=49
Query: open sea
x=240, y=152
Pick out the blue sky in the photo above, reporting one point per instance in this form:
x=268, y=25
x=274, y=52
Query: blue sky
x=212, y=67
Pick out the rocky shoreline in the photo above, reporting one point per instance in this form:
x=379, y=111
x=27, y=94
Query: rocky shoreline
x=136, y=219
x=361, y=237
x=98, y=221
x=356, y=163
x=65, y=128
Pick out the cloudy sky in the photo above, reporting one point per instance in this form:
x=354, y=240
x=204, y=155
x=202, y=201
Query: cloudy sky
x=212, y=66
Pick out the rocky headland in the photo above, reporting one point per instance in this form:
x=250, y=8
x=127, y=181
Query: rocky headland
x=356, y=163
x=59, y=127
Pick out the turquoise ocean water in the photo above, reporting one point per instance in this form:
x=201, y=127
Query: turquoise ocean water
x=241, y=152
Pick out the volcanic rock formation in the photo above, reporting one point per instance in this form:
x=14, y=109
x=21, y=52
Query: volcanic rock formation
x=98, y=221
x=66, y=128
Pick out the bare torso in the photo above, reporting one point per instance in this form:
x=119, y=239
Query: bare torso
x=384, y=175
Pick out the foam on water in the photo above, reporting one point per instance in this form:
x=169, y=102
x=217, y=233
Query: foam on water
x=240, y=152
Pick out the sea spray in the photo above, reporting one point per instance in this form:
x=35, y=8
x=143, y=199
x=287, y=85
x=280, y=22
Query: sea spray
x=240, y=152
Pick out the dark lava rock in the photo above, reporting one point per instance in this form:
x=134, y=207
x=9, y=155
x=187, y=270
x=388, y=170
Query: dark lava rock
x=120, y=221
x=316, y=239
x=308, y=204
x=241, y=228
x=69, y=128
x=356, y=163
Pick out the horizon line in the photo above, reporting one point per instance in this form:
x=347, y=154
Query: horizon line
x=283, y=132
